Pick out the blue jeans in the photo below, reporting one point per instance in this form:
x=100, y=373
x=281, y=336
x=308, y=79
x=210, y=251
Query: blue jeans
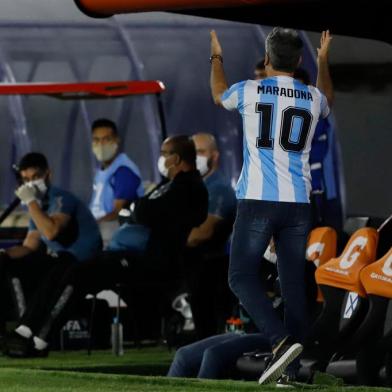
x=215, y=356
x=289, y=224
x=130, y=237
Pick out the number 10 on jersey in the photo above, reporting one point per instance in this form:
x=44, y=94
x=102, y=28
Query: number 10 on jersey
x=290, y=116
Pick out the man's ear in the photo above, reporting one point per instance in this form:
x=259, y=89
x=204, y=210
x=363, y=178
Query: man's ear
x=266, y=60
x=48, y=175
x=215, y=155
x=177, y=159
x=299, y=61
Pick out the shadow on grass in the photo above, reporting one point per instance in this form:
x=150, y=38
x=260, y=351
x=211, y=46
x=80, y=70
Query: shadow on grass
x=140, y=370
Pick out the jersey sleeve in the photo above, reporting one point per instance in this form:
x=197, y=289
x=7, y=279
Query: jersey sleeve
x=125, y=184
x=324, y=108
x=231, y=97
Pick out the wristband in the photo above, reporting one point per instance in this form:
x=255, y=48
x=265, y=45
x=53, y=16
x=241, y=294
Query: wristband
x=216, y=56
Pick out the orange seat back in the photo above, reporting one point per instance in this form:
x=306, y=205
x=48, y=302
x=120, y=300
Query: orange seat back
x=343, y=272
x=321, y=248
x=321, y=245
x=376, y=278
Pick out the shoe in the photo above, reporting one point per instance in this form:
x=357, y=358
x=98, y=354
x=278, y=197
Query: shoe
x=17, y=346
x=284, y=381
x=283, y=354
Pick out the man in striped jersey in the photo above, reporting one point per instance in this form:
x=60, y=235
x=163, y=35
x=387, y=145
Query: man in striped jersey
x=279, y=118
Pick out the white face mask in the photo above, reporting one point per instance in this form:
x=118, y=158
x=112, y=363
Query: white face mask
x=39, y=184
x=202, y=164
x=162, y=166
x=105, y=152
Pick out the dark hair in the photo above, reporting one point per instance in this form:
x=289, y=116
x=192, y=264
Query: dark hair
x=104, y=123
x=185, y=148
x=303, y=75
x=284, y=48
x=34, y=160
x=260, y=64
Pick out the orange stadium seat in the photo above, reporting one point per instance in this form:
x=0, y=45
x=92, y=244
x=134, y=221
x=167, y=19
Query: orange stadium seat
x=376, y=278
x=343, y=272
x=372, y=339
x=322, y=245
x=345, y=303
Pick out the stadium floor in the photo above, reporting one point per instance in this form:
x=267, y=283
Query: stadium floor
x=75, y=371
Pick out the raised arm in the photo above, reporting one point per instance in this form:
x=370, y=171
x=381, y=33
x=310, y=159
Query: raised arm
x=324, y=81
x=217, y=79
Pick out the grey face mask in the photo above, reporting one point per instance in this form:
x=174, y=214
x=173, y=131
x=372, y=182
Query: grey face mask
x=105, y=152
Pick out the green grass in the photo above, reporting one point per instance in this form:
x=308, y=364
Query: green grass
x=75, y=371
x=20, y=380
x=146, y=361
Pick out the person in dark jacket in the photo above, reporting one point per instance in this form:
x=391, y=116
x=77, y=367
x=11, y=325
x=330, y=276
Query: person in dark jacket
x=163, y=219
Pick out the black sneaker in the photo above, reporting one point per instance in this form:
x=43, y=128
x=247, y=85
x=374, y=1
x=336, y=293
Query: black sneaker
x=283, y=354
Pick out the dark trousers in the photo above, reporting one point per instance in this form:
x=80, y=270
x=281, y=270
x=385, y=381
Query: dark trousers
x=211, y=300
x=214, y=357
x=289, y=224
x=105, y=272
x=31, y=281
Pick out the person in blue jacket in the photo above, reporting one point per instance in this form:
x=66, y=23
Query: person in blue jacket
x=117, y=180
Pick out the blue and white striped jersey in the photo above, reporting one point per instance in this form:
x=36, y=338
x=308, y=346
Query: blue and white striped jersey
x=279, y=117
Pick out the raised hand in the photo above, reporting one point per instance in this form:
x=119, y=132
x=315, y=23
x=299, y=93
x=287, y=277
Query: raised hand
x=325, y=41
x=216, y=48
x=26, y=193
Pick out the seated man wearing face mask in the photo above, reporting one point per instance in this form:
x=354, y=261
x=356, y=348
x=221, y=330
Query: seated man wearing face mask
x=205, y=264
x=63, y=225
x=163, y=220
x=117, y=180
x=221, y=197
x=168, y=196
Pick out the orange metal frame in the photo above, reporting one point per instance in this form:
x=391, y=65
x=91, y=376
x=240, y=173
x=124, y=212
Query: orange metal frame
x=88, y=90
x=109, y=7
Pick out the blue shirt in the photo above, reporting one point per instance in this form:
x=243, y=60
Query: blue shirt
x=121, y=180
x=279, y=119
x=323, y=161
x=317, y=155
x=125, y=184
x=221, y=197
x=81, y=237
